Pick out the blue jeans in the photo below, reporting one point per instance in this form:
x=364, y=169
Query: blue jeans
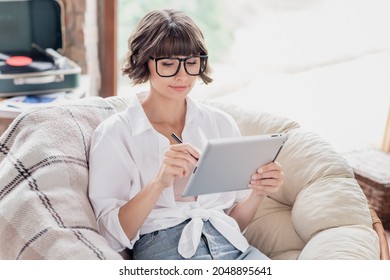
x=163, y=244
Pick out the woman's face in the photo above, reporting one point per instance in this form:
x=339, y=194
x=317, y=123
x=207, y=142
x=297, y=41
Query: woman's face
x=176, y=87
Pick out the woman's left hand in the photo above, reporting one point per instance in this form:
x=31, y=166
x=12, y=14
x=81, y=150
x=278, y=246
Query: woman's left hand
x=267, y=180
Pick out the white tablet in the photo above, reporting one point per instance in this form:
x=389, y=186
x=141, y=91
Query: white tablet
x=227, y=164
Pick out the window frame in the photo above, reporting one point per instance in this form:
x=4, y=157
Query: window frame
x=108, y=47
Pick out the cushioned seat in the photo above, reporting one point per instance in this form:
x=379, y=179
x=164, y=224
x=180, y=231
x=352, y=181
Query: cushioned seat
x=319, y=213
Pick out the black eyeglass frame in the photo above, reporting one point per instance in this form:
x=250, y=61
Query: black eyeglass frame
x=181, y=60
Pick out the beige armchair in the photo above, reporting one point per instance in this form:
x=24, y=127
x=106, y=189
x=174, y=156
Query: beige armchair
x=320, y=212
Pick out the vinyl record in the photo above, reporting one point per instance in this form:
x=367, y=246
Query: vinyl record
x=19, y=66
x=19, y=61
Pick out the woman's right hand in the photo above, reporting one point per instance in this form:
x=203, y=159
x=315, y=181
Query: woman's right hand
x=178, y=162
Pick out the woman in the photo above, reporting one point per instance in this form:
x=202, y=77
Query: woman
x=138, y=171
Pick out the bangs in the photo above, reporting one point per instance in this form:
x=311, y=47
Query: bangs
x=178, y=42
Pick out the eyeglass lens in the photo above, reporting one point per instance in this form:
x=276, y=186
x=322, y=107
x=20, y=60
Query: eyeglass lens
x=170, y=66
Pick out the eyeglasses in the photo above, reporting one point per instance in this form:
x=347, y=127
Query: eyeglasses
x=170, y=66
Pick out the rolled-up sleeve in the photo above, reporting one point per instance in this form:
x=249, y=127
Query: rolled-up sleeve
x=111, y=176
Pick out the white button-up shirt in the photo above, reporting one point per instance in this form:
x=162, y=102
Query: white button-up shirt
x=126, y=154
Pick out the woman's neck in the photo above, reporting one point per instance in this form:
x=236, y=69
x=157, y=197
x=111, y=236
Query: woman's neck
x=166, y=115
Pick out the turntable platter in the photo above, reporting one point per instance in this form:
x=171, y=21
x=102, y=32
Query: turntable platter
x=23, y=64
x=19, y=61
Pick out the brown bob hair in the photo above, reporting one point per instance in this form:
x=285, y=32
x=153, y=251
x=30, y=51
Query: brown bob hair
x=162, y=33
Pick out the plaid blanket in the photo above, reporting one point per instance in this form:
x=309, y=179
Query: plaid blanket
x=44, y=208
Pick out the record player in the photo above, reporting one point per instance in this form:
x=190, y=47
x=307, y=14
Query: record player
x=31, y=42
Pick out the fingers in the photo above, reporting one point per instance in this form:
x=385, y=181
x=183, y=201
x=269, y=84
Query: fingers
x=270, y=167
x=177, y=166
x=186, y=149
x=268, y=179
x=180, y=159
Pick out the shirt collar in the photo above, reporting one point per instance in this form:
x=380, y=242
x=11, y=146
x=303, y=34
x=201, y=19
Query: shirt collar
x=192, y=110
x=140, y=123
x=138, y=120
